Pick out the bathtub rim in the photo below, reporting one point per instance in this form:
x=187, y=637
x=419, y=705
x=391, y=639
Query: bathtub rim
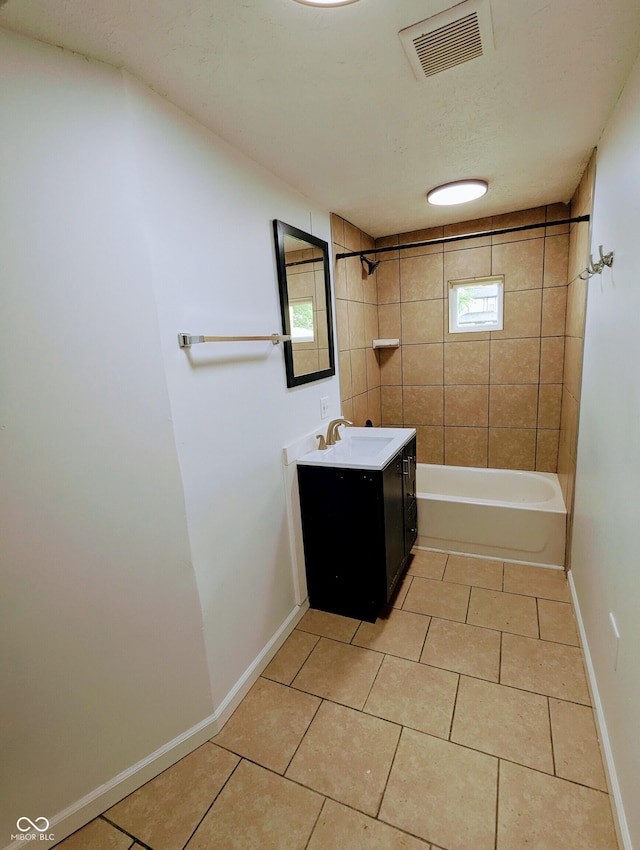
x=490, y=558
x=554, y=505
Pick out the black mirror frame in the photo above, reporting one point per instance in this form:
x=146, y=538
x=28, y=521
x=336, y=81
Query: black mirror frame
x=280, y=230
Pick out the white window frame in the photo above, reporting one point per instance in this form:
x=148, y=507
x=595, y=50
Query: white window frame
x=457, y=327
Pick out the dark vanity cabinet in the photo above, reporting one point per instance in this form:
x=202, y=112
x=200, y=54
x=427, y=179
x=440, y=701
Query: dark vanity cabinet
x=358, y=527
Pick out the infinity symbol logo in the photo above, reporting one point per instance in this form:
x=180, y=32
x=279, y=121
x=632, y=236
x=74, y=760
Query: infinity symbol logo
x=32, y=825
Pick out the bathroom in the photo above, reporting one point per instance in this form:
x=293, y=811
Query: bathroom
x=149, y=565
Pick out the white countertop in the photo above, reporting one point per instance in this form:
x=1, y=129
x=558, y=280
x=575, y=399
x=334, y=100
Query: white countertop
x=360, y=448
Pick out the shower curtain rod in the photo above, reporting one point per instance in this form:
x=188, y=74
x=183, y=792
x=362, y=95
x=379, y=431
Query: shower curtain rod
x=477, y=235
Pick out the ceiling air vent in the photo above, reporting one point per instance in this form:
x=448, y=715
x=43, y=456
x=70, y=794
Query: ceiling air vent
x=450, y=38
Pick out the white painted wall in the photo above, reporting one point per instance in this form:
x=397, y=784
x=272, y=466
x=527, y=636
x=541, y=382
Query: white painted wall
x=606, y=554
x=145, y=555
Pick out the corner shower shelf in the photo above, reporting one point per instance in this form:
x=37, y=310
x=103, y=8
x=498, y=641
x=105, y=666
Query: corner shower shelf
x=386, y=343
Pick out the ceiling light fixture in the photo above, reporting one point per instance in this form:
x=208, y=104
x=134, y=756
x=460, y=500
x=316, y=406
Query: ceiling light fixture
x=326, y=2
x=458, y=192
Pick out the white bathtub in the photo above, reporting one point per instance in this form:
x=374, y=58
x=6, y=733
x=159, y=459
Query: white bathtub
x=506, y=514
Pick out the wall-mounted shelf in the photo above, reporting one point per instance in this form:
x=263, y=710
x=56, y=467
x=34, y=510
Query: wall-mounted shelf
x=386, y=343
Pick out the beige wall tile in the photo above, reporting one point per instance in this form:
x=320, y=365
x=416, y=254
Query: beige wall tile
x=422, y=236
x=576, y=307
x=554, y=310
x=391, y=405
x=551, y=360
x=513, y=406
x=355, y=284
x=358, y=371
x=370, y=323
x=557, y=212
x=466, y=446
x=569, y=423
x=521, y=263
x=373, y=369
x=423, y=405
x=351, y=237
x=422, y=321
x=390, y=360
x=466, y=362
x=389, y=321
x=522, y=315
x=535, y=215
x=388, y=242
x=512, y=448
x=356, y=324
x=549, y=405
x=573, y=355
x=547, y=443
x=423, y=364
x=466, y=262
x=342, y=323
x=421, y=277
x=466, y=405
x=476, y=225
x=388, y=280
x=360, y=409
x=347, y=409
x=344, y=367
x=430, y=443
x=578, y=249
x=339, y=274
x=556, y=261
x=337, y=229
x=374, y=407
x=515, y=361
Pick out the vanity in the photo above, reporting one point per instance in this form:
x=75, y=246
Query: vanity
x=359, y=519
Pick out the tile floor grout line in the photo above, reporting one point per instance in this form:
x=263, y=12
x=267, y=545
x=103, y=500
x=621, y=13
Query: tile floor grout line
x=315, y=823
x=210, y=806
x=134, y=838
x=453, y=712
x=551, y=736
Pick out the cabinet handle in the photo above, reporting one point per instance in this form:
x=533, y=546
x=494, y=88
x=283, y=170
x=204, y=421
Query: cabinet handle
x=405, y=461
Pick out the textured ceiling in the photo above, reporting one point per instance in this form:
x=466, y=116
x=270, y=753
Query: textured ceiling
x=326, y=99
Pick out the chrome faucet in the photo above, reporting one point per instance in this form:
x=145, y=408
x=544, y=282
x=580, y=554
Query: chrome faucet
x=333, y=434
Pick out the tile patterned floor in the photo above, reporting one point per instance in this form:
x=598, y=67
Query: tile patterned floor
x=460, y=720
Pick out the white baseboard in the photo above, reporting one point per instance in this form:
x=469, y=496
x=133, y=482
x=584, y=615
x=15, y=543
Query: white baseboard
x=83, y=811
x=619, y=817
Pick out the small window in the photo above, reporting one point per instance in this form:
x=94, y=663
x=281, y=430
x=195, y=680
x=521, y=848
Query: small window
x=475, y=304
x=301, y=316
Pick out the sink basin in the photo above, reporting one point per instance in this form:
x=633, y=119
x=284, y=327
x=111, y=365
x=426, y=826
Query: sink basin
x=361, y=448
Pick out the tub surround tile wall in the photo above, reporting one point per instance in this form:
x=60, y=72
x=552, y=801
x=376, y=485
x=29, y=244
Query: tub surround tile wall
x=356, y=298
x=576, y=311
x=482, y=399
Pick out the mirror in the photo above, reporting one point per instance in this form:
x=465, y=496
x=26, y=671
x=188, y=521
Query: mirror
x=305, y=304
